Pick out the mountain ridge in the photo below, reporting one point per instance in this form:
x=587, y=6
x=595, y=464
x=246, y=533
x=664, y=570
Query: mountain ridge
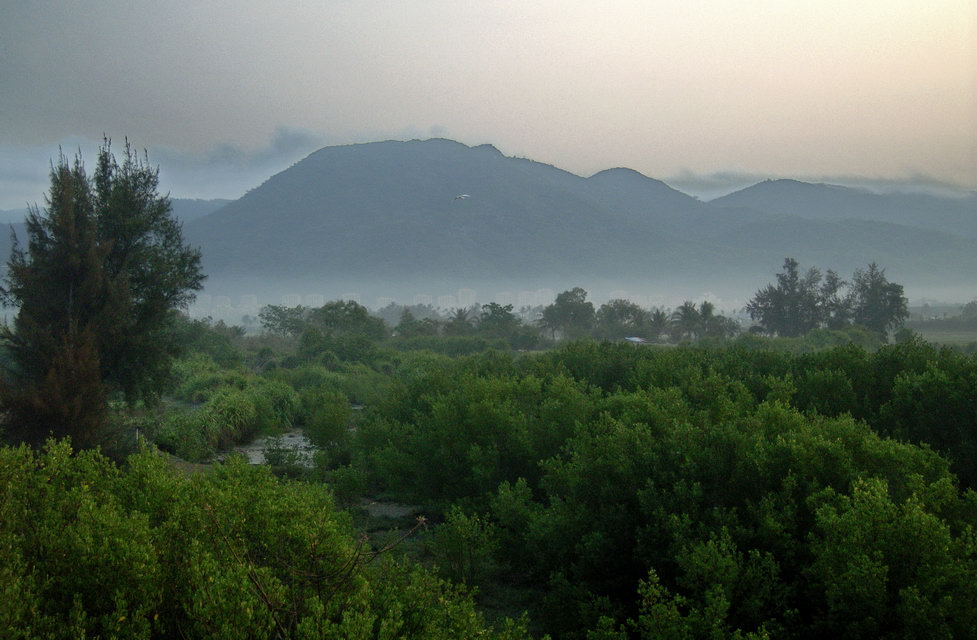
x=386, y=212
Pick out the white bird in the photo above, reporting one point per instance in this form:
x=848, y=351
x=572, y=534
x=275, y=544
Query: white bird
x=463, y=196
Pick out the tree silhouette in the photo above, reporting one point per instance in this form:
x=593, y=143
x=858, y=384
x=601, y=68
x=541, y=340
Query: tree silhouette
x=875, y=302
x=686, y=321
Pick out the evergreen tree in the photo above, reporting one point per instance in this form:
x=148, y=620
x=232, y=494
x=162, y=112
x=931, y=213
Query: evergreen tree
x=835, y=308
x=157, y=271
x=104, y=269
x=68, y=309
x=792, y=307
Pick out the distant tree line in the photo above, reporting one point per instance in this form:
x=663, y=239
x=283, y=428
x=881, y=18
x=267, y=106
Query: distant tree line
x=798, y=303
x=966, y=320
x=570, y=316
x=795, y=305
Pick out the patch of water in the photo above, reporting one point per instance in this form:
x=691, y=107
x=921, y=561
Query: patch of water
x=292, y=442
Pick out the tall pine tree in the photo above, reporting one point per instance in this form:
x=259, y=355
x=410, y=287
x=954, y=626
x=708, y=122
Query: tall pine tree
x=104, y=269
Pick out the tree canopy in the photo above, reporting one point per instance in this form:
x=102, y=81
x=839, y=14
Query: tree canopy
x=104, y=270
x=571, y=313
x=799, y=303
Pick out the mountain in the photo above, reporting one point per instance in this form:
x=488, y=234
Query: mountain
x=12, y=216
x=390, y=209
x=386, y=217
x=428, y=217
x=186, y=209
x=956, y=216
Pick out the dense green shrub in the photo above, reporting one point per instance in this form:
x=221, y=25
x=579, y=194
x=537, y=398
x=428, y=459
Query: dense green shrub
x=745, y=487
x=229, y=417
x=464, y=546
x=182, y=434
x=89, y=551
x=327, y=415
x=199, y=384
x=449, y=345
x=277, y=404
x=470, y=434
x=314, y=376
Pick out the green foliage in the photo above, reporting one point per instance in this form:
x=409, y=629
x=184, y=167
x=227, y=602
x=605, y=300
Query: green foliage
x=283, y=321
x=877, y=303
x=327, y=414
x=184, y=435
x=200, y=378
x=230, y=416
x=570, y=314
x=464, y=545
x=706, y=468
x=89, y=551
x=347, y=482
x=277, y=405
x=621, y=318
x=213, y=339
x=892, y=569
x=792, y=308
x=479, y=430
x=451, y=345
x=725, y=488
x=105, y=268
x=799, y=304
x=285, y=460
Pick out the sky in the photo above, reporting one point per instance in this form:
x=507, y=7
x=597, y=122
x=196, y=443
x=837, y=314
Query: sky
x=708, y=95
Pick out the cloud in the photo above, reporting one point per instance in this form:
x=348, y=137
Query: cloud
x=224, y=171
x=228, y=170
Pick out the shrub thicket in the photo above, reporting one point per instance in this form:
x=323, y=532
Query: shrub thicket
x=87, y=550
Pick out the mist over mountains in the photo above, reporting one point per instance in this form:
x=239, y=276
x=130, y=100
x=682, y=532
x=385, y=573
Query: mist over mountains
x=384, y=219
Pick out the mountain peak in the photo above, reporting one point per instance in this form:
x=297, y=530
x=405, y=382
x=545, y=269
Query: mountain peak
x=784, y=184
x=620, y=172
x=487, y=147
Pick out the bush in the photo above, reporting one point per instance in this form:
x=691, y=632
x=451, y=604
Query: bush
x=182, y=434
x=327, y=415
x=314, y=376
x=285, y=461
x=201, y=386
x=464, y=545
x=229, y=417
x=89, y=551
x=277, y=404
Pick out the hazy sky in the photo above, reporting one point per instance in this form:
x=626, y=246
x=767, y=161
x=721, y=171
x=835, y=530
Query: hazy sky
x=224, y=93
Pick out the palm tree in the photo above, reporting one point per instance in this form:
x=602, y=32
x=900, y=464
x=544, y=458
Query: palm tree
x=709, y=323
x=460, y=323
x=657, y=323
x=686, y=320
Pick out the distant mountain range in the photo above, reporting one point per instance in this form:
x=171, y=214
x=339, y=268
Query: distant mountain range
x=955, y=216
x=385, y=218
x=386, y=214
